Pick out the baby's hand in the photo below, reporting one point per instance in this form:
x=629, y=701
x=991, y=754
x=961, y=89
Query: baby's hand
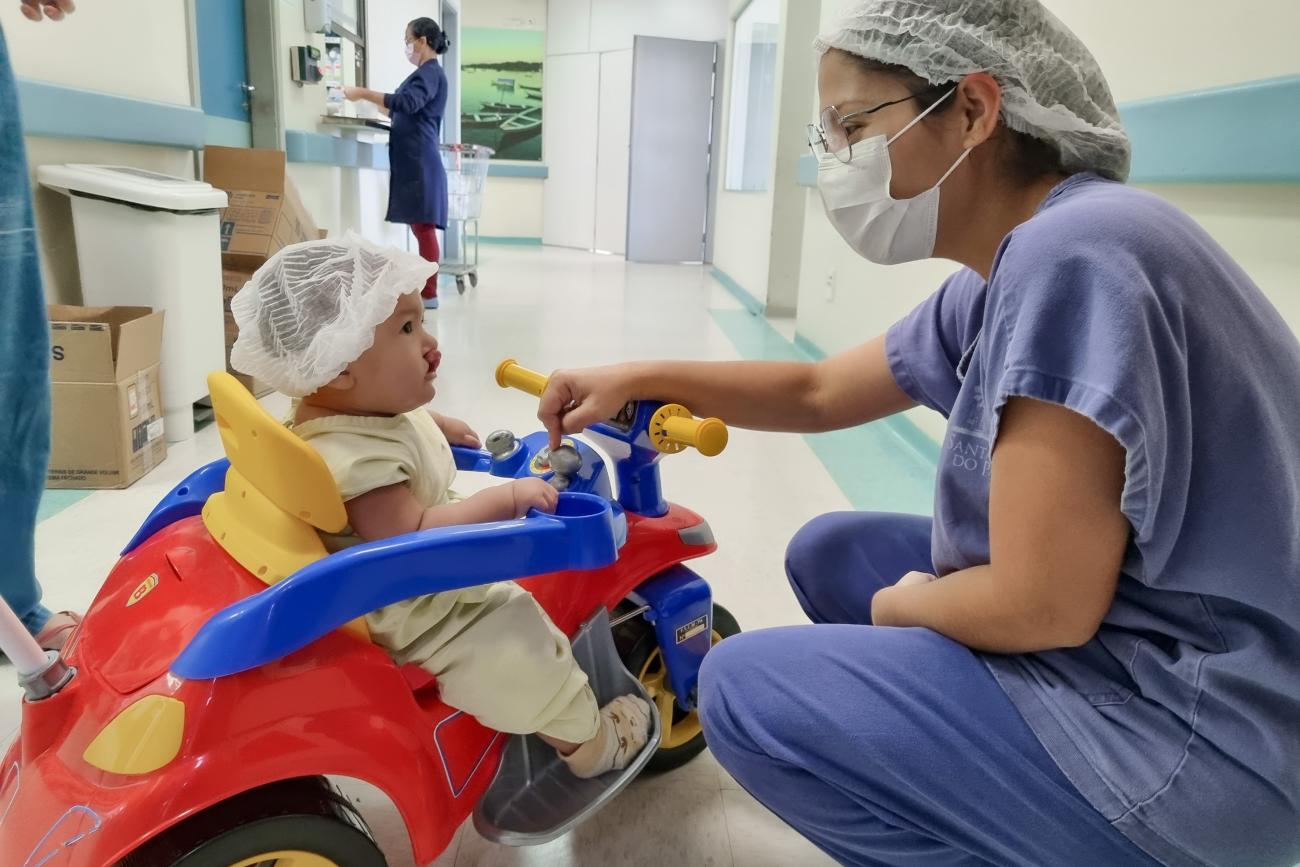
x=533, y=494
x=457, y=432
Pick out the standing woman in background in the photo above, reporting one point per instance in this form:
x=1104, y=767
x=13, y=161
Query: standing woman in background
x=417, y=191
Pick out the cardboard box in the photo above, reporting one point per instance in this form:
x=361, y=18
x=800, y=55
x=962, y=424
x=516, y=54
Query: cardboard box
x=265, y=211
x=265, y=214
x=107, y=406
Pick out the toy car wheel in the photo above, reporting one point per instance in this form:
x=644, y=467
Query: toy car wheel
x=683, y=738
x=294, y=823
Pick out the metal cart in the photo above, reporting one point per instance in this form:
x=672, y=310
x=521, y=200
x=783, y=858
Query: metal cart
x=467, y=168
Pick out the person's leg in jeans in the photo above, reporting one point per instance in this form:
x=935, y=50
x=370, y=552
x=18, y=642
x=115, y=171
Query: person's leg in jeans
x=24, y=369
x=426, y=236
x=889, y=746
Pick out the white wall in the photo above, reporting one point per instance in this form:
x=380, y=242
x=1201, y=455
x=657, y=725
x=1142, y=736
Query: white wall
x=1163, y=47
x=100, y=48
x=613, y=143
x=572, y=98
x=757, y=234
x=797, y=79
x=512, y=208
x=588, y=102
x=337, y=198
x=150, y=61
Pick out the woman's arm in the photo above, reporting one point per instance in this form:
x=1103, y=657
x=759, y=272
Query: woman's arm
x=1057, y=540
x=409, y=98
x=364, y=94
x=851, y=388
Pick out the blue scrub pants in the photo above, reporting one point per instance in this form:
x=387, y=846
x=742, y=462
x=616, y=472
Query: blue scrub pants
x=889, y=746
x=24, y=368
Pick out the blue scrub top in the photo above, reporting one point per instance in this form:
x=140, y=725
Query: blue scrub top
x=417, y=186
x=1180, y=720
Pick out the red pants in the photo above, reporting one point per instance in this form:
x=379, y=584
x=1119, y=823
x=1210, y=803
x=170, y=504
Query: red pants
x=426, y=235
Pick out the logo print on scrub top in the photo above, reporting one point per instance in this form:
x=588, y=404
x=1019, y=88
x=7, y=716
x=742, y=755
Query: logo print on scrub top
x=967, y=447
x=146, y=587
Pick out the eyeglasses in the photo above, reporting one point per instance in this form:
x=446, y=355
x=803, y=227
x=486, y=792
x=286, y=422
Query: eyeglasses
x=832, y=137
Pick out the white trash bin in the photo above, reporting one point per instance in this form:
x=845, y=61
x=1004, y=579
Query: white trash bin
x=152, y=240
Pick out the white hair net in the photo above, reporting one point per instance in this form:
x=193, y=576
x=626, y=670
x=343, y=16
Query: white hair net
x=1052, y=88
x=312, y=309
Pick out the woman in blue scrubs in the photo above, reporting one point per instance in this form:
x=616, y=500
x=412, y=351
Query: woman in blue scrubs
x=1090, y=655
x=417, y=190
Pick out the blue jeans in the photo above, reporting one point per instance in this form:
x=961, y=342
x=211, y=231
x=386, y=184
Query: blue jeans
x=889, y=746
x=24, y=368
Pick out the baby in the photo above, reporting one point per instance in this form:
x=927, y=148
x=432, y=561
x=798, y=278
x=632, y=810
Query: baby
x=338, y=324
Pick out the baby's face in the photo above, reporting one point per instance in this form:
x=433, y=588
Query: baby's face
x=396, y=373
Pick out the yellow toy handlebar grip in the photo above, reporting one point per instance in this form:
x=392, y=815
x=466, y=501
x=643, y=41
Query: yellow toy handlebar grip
x=707, y=435
x=511, y=375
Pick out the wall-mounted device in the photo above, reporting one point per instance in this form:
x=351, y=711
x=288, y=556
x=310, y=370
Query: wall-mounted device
x=304, y=64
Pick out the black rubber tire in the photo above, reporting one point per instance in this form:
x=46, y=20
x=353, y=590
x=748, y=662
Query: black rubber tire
x=460, y=284
x=305, y=814
x=636, y=641
x=473, y=279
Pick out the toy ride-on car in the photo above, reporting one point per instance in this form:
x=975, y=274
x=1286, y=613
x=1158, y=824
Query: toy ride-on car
x=224, y=671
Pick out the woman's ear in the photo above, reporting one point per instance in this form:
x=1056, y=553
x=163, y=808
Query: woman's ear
x=981, y=105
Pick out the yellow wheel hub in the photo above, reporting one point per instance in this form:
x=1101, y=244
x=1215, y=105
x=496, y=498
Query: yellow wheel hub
x=287, y=858
x=654, y=677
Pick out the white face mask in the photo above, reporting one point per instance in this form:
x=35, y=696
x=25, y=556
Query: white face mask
x=883, y=229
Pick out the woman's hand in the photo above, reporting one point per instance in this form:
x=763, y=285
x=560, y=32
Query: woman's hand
x=55, y=10
x=914, y=578
x=457, y=432
x=575, y=399
x=352, y=94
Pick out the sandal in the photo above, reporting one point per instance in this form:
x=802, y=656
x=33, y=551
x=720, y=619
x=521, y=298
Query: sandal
x=57, y=630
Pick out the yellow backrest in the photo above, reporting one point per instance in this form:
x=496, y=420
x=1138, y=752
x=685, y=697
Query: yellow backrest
x=278, y=492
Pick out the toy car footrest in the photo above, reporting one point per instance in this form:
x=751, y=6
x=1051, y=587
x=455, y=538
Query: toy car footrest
x=534, y=798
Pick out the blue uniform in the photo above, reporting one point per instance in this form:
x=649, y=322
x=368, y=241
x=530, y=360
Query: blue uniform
x=1177, y=722
x=24, y=367
x=417, y=186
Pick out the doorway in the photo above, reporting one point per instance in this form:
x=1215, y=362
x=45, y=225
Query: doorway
x=674, y=85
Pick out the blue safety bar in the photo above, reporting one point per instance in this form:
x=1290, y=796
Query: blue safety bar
x=330, y=593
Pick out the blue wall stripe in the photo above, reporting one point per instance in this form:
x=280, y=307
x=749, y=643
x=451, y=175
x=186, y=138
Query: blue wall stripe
x=1241, y=133
x=228, y=133
x=1245, y=133
x=518, y=170
x=748, y=301
x=515, y=240
x=58, y=111
x=69, y=112
x=301, y=146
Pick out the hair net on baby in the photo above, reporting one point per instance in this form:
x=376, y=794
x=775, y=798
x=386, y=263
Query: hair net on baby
x=312, y=309
x=1052, y=88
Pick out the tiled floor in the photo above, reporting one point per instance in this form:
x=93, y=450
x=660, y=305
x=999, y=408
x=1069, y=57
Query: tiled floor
x=552, y=308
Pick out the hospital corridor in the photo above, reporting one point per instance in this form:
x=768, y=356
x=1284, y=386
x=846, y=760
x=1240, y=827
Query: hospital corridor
x=568, y=433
